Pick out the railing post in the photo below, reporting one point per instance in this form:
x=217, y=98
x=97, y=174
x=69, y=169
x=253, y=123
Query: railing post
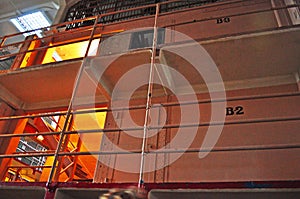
x=69, y=111
x=149, y=97
x=3, y=41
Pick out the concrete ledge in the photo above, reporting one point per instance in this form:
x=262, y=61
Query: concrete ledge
x=79, y=193
x=13, y=192
x=224, y=193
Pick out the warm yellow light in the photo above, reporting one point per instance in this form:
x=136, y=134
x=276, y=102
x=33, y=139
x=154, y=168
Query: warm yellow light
x=70, y=51
x=26, y=59
x=40, y=138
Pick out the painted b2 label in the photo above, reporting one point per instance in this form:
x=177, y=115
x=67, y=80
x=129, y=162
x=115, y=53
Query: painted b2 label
x=223, y=20
x=235, y=110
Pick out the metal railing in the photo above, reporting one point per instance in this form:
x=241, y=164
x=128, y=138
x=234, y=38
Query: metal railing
x=60, y=152
x=13, y=53
x=90, y=33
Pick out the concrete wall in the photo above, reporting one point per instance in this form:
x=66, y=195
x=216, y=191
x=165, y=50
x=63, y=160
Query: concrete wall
x=251, y=146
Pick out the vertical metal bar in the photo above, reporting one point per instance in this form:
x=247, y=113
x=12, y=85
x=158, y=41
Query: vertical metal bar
x=68, y=114
x=2, y=41
x=149, y=97
x=278, y=20
x=92, y=35
x=75, y=159
x=64, y=146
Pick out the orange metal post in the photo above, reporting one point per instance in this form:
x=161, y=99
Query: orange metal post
x=20, y=57
x=9, y=145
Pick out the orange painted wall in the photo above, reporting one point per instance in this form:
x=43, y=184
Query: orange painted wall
x=218, y=166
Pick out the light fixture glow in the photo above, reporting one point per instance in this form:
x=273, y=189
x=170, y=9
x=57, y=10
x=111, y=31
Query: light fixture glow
x=32, y=21
x=40, y=137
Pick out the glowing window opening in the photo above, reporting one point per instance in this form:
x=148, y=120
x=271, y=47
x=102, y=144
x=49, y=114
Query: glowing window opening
x=32, y=21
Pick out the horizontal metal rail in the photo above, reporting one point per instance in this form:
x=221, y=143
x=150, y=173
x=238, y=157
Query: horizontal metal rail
x=46, y=47
x=153, y=127
x=18, y=117
x=164, y=104
x=168, y=126
x=56, y=35
x=63, y=24
x=88, y=28
x=164, y=151
x=50, y=37
x=234, y=15
x=28, y=167
x=55, y=27
x=214, y=38
x=46, y=153
x=28, y=134
x=85, y=28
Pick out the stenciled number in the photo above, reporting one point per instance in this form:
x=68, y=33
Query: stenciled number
x=223, y=20
x=236, y=110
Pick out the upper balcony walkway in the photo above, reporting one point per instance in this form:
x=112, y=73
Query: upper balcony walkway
x=253, y=43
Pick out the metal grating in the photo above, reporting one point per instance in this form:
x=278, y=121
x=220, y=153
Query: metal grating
x=89, y=8
x=6, y=62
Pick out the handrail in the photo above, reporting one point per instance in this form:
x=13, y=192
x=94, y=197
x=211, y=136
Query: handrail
x=55, y=33
x=69, y=113
x=29, y=167
x=165, y=151
x=164, y=104
x=62, y=139
x=108, y=130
